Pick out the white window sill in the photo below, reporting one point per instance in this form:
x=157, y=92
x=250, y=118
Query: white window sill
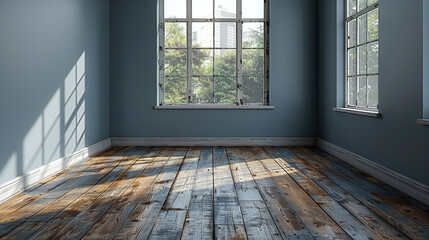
x=358, y=112
x=213, y=107
x=423, y=121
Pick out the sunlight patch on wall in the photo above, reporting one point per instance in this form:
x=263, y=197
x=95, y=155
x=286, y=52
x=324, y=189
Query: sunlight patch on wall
x=32, y=146
x=74, y=101
x=42, y=143
x=52, y=129
x=60, y=128
x=10, y=166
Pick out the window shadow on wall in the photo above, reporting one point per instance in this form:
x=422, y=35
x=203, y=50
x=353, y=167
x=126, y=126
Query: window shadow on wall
x=58, y=131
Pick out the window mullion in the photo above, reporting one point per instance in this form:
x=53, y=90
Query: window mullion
x=161, y=36
x=346, y=59
x=189, y=50
x=239, y=56
x=214, y=48
x=366, y=57
x=357, y=63
x=361, y=12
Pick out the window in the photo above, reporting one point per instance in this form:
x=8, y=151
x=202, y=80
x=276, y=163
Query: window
x=213, y=52
x=361, y=58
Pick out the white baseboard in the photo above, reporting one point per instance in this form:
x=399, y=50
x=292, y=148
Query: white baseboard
x=21, y=183
x=213, y=141
x=404, y=184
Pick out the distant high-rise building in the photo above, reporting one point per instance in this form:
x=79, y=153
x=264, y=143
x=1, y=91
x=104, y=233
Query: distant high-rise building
x=224, y=32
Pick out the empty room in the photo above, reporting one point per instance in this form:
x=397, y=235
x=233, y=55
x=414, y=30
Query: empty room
x=214, y=119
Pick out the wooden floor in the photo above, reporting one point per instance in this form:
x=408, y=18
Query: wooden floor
x=213, y=192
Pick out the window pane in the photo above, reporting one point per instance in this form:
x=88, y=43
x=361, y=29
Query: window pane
x=370, y=2
x=362, y=5
x=202, y=62
x=253, y=8
x=352, y=64
x=202, y=35
x=225, y=8
x=202, y=88
x=202, y=8
x=175, y=90
x=225, y=62
x=351, y=7
x=175, y=9
x=352, y=91
x=225, y=89
x=362, y=92
x=352, y=33
x=253, y=62
x=253, y=35
x=373, y=91
x=253, y=89
x=175, y=35
x=362, y=60
x=175, y=62
x=373, y=57
x=225, y=34
x=373, y=25
x=362, y=29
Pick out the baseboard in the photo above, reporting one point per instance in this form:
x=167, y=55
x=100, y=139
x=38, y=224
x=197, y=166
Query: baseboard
x=404, y=184
x=213, y=141
x=21, y=183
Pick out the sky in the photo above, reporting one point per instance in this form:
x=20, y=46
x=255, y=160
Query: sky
x=203, y=8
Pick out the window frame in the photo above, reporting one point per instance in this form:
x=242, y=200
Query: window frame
x=347, y=20
x=239, y=20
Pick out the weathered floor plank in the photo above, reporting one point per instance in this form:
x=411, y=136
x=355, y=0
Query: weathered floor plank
x=372, y=200
x=315, y=219
x=75, y=189
x=37, y=190
x=257, y=219
x=386, y=193
x=288, y=221
x=56, y=199
x=228, y=217
x=354, y=206
x=199, y=218
x=351, y=225
x=80, y=224
x=110, y=223
x=141, y=221
x=170, y=222
x=212, y=193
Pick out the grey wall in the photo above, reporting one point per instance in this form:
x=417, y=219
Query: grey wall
x=395, y=140
x=53, y=80
x=133, y=90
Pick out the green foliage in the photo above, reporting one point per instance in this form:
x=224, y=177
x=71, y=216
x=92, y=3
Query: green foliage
x=175, y=36
x=225, y=80
x=370, y=2
x=255, y=38
x=373, y=25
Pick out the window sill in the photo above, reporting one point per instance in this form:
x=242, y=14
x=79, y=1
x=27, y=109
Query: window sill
x=358, y=112
x=205, y=107
x=423, y=121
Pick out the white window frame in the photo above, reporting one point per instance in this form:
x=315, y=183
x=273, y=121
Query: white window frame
x=348, y=19
x=239, y=77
